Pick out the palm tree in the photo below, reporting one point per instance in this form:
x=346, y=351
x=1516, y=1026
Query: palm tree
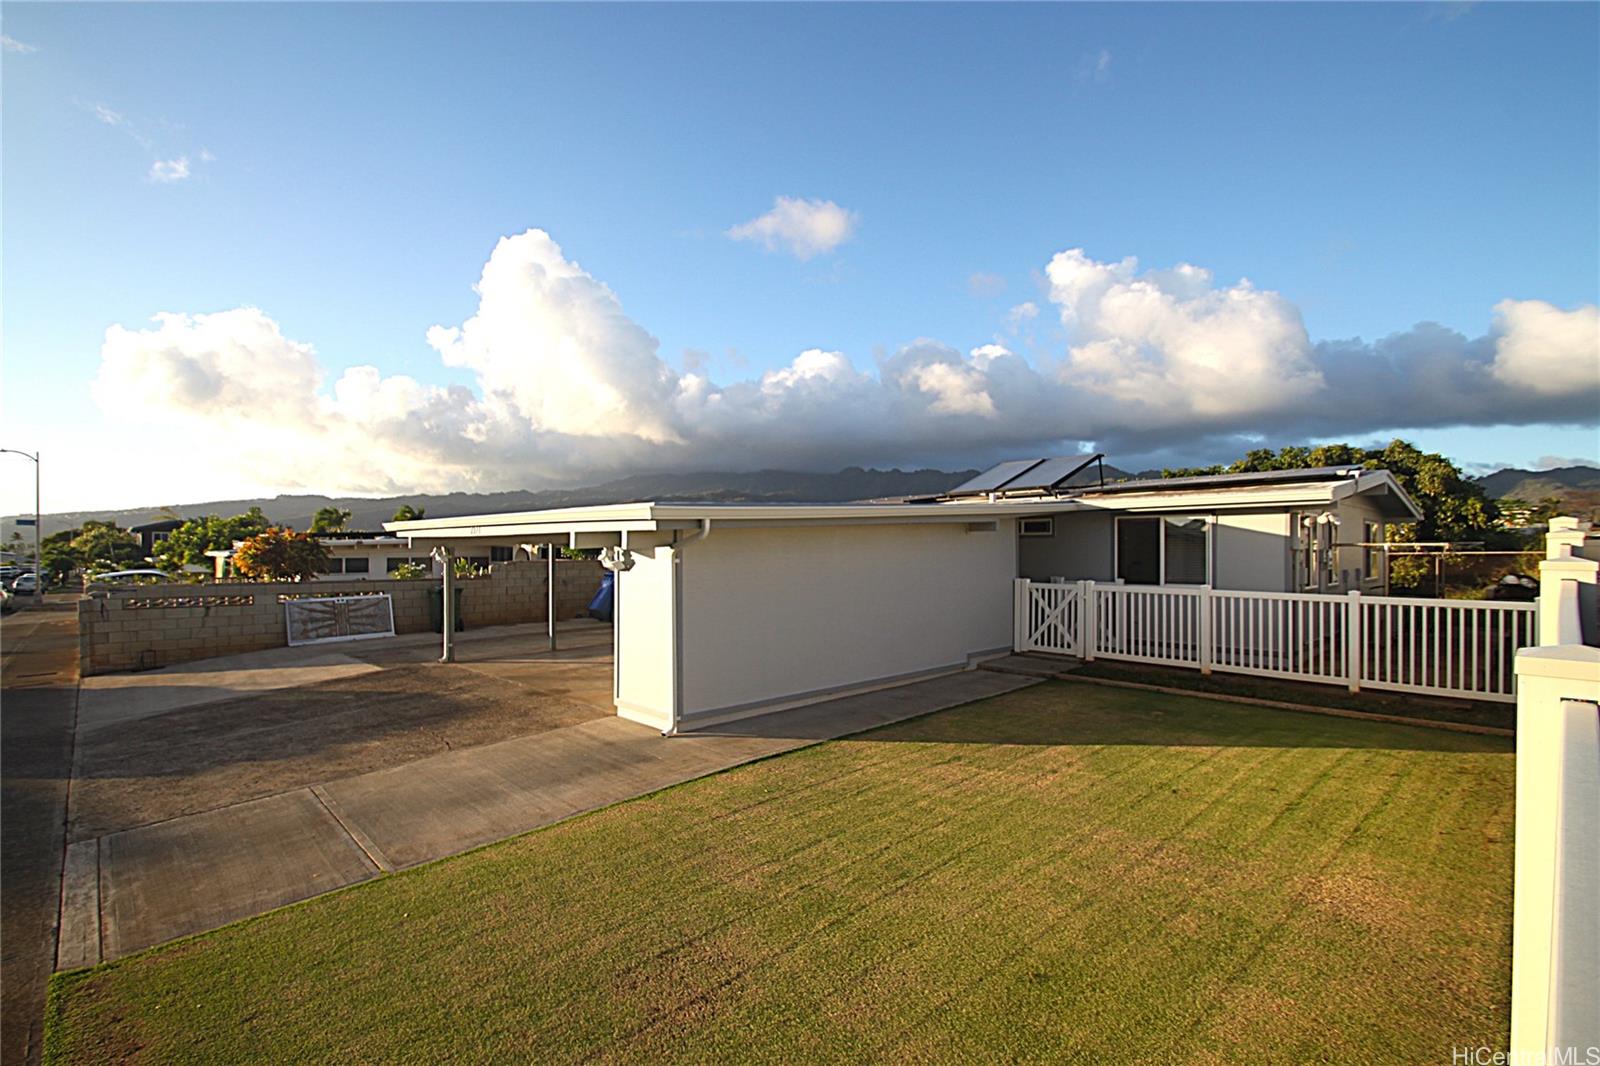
x=329, y=520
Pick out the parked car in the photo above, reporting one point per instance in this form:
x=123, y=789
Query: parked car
x=8, y=602
x=128, y=577
x=25, y=585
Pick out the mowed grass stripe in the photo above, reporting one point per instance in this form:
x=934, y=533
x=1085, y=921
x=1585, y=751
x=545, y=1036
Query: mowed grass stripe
x=1061, y=871
x=952, y=828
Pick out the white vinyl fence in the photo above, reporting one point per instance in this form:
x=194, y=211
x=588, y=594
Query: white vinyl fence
x=1443, y=647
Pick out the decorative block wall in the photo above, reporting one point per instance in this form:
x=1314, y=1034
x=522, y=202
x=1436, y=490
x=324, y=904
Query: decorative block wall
x=158, y=625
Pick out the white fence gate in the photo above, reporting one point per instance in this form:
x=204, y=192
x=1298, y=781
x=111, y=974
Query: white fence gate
x=1047, y=617
x=1442, y=647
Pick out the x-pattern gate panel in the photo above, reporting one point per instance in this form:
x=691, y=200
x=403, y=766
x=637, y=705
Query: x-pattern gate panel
x=1054, y=619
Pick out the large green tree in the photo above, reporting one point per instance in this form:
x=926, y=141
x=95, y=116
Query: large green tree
x=187, y=545
x=105, y=546
x=1453, y=507
x=408, y=513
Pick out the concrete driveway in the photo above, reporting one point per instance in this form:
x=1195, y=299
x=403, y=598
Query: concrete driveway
x=191, y=738
x=213, y=791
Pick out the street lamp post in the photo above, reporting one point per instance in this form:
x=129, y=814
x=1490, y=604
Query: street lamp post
x=38, y=559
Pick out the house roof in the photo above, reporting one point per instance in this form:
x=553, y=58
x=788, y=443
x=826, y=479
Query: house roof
x=1251, y=477
x=164, y=525
x=1314, y=488
x=1311, y=486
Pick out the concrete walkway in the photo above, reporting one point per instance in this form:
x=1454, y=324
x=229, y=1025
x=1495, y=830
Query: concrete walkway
x=143, y=886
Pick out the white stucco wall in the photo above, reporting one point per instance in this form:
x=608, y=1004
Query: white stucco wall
x=776, y=614
x=643, y=645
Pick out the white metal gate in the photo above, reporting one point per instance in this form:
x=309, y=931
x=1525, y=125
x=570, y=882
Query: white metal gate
x=318, y=619
x=1049, y=618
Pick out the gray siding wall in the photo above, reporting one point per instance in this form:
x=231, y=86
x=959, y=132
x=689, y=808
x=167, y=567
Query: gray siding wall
x=1081, y=550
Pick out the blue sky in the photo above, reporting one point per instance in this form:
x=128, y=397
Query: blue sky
x=348, y=169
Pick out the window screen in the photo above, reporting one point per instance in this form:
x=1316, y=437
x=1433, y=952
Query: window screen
x=1139, y=550
x=357, y=566
x=499, y=554
x=1186, y=551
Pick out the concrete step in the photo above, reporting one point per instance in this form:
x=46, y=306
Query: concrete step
x=1032, y=665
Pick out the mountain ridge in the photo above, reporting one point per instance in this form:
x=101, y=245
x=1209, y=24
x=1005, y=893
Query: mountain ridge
x=756, y=486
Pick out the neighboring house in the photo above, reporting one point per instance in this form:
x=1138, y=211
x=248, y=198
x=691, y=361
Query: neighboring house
x=357, y=556
x=728, y=610
x=152, y=533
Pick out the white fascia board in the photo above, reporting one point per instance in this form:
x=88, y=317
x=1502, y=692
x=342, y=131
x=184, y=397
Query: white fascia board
x=823, y=513
x=1277, y=496
x=651, y=518
x=606, y=516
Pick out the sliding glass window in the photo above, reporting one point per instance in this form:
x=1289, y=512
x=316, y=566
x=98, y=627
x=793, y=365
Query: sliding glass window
x=1164, y=551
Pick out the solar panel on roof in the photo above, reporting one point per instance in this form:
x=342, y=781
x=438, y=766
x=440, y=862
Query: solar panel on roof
x=1050, y=473
x=994, y=477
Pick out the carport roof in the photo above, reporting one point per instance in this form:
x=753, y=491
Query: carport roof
x=653, y=517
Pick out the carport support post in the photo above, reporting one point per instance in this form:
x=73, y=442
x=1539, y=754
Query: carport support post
x=550, y=593
x=448, y=586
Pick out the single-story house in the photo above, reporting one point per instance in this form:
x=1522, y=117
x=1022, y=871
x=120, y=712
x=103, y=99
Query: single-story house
x=729, y=610
x=360, y=556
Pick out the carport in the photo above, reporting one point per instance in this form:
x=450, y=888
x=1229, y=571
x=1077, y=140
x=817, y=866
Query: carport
x=724, y=611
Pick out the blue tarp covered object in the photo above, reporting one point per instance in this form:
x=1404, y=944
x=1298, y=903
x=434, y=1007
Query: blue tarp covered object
x=600, y=606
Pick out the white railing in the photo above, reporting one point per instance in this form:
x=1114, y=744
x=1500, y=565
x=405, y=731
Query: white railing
x=1143, y=623
x=1440, y=647
x=1445, y=647
x=1296, y=635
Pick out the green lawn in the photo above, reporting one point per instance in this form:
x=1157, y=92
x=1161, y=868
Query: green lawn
x=1068, y=871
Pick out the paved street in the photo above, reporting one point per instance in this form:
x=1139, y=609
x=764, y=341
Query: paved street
x=38, y=700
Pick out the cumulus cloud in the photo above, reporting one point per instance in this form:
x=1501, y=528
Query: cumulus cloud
x=168, y=170
x=803, y=228
x=11, y=44
x=1547, y=350
x=568, y=388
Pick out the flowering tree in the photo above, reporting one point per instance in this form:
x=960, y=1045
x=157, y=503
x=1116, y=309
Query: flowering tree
x=280, y=555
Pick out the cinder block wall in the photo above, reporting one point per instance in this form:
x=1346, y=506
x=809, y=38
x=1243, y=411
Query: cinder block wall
x=158, y=625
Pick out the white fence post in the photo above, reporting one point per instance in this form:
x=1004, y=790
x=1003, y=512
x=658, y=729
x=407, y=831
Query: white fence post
x=1087, y=636
x=1353, y=644
x=1204, y=607
x=1555, y=930
x=1019, y=615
